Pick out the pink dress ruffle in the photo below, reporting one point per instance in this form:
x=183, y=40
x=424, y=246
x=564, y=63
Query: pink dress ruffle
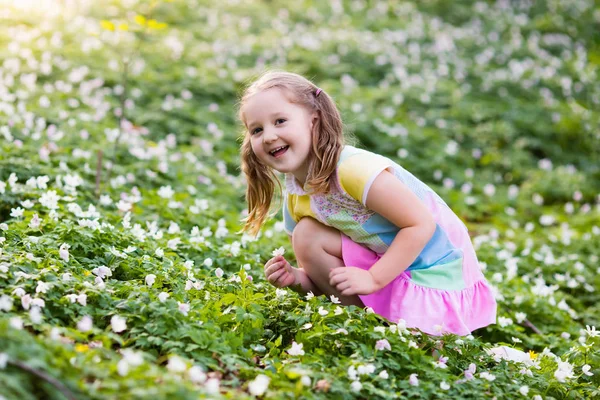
x=432, y=310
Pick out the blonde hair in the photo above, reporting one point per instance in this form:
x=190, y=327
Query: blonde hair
x=327, y=144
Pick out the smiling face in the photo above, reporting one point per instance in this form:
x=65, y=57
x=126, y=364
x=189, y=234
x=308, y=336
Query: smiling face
x=280, y=132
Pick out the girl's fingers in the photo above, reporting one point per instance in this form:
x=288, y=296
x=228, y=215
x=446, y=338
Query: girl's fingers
x=273, y=261
x=281, y=278
x=336, y=279
x=275, y=275
x=276, y=266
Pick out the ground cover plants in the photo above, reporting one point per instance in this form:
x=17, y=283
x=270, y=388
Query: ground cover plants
x=122, y=270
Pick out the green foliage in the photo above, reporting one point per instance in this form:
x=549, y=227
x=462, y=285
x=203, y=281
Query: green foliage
x=129, y=110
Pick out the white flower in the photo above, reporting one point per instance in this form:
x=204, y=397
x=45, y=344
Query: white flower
x=159, y=252
x=124, y=206
x=16, y=212
x=163, y=296
x=123, y=367
x=305, y=380
x=6, y=303
x=356, y=386
x=444, y=385
x=26, y=301
x=382, y=344
x=401, y=326
x=35, y=222
x=184, y=308
x=85, y=324
x=489, y=189
x=212, y=386
x=150, y=278
x=219, y=273
x=196, y=374
x=586, y=370
x=42, y=287
x=38, y=303
x=591, y=331
x=16, y=323
x=50, y=200
x=520, y=317
x=383, y=374
x=486, y=375
x=176, y=364
x=504, y=322
x=259, y=385
x=338, y=310
x=547, y=220
x=366, y=369
x=173, y=243
x=524, y=390
x=334, y=299
x=105, y=200
x=307, y=326
x=278, y=252
x=27, y=204
x=208, y=262
x=118, y=324
x=82, y=299
x=470, y=371
x=280, y=293
x=296, y=349
x=165, y=192
x=3, y=360
x=322, y=311
x=63, y=252
x=352, y=373
x=102, y=272
x=309, y=295
x=413, y=380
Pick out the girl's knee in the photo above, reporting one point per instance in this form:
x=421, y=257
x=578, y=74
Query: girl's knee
x=305, y=235
x=312, y=240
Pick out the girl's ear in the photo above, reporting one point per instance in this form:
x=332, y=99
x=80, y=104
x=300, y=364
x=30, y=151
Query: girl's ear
x=314, y=117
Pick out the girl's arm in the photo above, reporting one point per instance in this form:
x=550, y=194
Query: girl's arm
x=394, y=201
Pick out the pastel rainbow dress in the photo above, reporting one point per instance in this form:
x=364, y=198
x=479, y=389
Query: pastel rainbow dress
x=443, y=290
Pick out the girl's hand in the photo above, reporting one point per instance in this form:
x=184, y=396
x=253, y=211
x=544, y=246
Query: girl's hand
x=280, y=273
x=352, y=280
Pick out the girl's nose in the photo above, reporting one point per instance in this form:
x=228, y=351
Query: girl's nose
x=269, y=136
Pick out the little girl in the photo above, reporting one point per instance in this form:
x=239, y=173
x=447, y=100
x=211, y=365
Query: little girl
x=362, y=227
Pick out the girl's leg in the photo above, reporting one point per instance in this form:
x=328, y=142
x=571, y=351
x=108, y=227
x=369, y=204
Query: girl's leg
x=318, y=250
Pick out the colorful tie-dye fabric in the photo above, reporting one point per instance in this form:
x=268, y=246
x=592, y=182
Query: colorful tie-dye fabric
x=444, y=286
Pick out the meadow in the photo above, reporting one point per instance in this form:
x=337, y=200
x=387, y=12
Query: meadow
x=123, y=272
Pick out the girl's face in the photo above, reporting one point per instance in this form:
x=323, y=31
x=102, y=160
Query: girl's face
x=280, y=132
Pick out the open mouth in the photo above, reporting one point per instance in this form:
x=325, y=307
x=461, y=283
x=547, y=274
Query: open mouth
x=278, y=151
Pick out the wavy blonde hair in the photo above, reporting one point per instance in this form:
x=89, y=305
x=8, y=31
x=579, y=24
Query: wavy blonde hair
x=327, y=144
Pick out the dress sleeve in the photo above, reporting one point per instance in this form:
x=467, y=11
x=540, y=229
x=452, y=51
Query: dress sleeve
x=357, y=173
x=288, y=222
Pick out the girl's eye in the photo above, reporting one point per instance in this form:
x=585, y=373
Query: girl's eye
x=281, y=119
x=254, y=131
